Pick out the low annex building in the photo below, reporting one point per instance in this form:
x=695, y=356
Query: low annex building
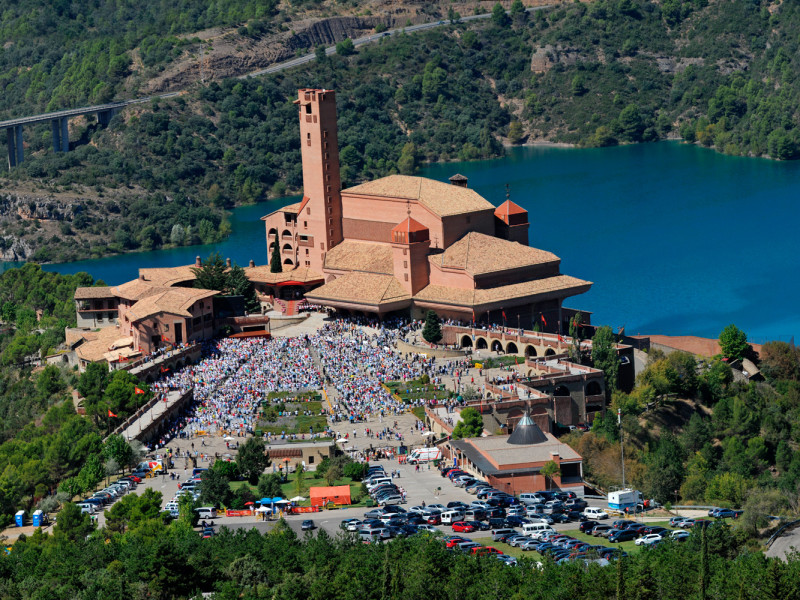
x=513, y=463
x=409, y=244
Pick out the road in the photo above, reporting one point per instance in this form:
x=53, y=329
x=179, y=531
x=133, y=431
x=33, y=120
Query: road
x=301, y=60
x=784, y=545
x=71, y=112
x=425, y=485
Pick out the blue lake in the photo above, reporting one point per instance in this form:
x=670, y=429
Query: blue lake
x=678, y=239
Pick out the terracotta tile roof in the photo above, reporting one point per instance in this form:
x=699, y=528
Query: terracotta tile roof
x=690, y=343
x=503, y=454
x=136, y=290
x=97, y=343
x=354, y=255
x=441, y=198
x=89, y=293
x=508, y=208
x=168, y=276
x=478, y=254
x=262, y=274
x=559, y=286
x=175, y=301
x=361, y=288
x=409, y=226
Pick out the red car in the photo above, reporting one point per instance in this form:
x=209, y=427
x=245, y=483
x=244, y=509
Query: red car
x=434, y=520
x=484, y=550
x=455, y=541
x=463, y=527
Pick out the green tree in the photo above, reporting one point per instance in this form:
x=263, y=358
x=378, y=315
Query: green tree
x=499, y=16
x=72, y=525
x=252, y=459
x=215, y=488
x=299, y=481
x=729, y=488
x=275, y=264
x=407, y=163
x=320, y=54
x=453, y=16
x=733, y=343
x=470, y=425
x=432, y=330
x=211, y=274
x=665, y=469
x=631, y=124
x=604, y=357
x=780, y=361
x=238, y=284
x=93, y=382
x=269, y=485
x=576, y=337
x=345, y=47
x=516, y=132
x=549, y=470
x=119, y=450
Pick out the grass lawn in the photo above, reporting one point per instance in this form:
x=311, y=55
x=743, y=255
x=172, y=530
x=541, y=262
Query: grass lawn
x=300, y=424
x=419, y=412
x=289, y=489
x=628, y=547
x=510, y=550
x=415, y=390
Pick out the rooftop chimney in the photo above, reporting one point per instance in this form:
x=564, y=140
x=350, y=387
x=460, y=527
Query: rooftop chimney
x=252, y=263
x=198, y=262
x=228, y=262
x=459, y=180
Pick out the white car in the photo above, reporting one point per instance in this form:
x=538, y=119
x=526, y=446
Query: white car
x=679, y=534
x=594, y=512
x=650, y=538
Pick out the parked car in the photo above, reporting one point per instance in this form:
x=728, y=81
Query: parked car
x=679, y=535
x=648, y=539
x=622, y=535
x=587, y=526
x=677, y=521
x=594, y=512
x=463, y=527
x=307, y=525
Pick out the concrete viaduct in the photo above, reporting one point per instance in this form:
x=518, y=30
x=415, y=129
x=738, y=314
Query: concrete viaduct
x=59, y=121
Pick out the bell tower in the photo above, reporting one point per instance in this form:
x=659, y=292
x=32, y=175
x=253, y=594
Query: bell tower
x=319, y=219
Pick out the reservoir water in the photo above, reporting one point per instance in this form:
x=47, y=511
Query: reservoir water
x=677, y=239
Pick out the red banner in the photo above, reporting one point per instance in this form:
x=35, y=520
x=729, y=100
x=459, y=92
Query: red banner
x=304, y=509
x=238, y=513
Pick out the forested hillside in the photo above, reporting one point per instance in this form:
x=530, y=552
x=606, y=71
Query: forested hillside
x=724, y=74
x=154, y=560
x=695, y=435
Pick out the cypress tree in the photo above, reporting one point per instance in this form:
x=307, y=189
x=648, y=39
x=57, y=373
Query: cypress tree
x=432, y=331
x=275, y=265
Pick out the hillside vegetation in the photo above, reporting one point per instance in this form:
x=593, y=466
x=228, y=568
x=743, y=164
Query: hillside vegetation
x=723, y=74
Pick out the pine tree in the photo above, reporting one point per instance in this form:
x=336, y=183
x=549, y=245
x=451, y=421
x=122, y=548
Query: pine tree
x=211, y=274
x=275, y=265
x=239, y=285
x=432, y=332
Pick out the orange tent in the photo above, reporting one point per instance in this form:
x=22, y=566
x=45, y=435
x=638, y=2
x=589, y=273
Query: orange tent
x=338, y=494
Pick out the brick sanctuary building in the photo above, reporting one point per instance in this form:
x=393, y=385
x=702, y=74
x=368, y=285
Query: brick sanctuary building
x=408, y=244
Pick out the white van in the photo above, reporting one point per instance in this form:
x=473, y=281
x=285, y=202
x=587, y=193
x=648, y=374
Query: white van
x=451, y=516
x=206, y=512
x=535, y=530
x=531, y=498
x=370, y=534
x=421, y=455
x=87, y=507
x=376, y=482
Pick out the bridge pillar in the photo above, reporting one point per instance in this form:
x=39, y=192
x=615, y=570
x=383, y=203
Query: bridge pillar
x=55, y=128
x=60, y=131
x=14, y=144
x=64, y=134
x=104, y=117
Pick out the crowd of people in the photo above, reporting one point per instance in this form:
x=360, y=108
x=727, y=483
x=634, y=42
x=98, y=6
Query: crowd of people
x=353, y=358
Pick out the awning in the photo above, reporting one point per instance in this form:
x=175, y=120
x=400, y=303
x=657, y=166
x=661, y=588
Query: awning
x=283, y=283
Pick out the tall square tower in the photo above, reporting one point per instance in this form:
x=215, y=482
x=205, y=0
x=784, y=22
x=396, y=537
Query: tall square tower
x=320, y=217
